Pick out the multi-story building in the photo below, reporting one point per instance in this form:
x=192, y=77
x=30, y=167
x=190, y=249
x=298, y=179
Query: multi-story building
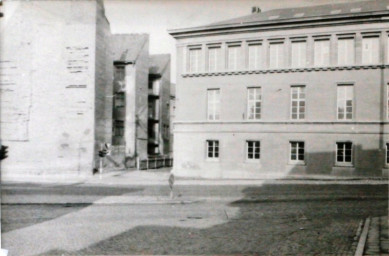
x=159, y=105
x=67, y=87
x=286, y=91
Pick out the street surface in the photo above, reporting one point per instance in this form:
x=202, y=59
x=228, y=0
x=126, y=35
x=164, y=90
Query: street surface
x=272, y=219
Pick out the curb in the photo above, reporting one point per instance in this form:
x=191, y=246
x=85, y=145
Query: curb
x=363, y=238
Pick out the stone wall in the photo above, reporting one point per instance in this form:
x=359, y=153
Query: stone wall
x=47, y=87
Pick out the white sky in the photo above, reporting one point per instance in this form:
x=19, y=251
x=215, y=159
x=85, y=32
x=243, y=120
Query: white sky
x=155, y=17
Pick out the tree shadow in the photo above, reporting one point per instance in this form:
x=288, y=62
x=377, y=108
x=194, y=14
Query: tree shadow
x=20, y=215
x=273, y=219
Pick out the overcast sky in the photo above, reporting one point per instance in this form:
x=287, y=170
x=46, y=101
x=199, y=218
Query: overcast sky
x=155, y=17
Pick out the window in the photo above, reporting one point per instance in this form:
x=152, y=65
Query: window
x=299, y=54
x=213, y=104
x=253, y=103
x=346, y=52
x=298, y=102
x=387, y=154
x=255, y=56
x=118, y=129
x=253, y=150
x=297, y=151
x=344, y=152
x=194, y=60
x=233, y=57
x=214, y=58
x=212, y=149
x=370, y=50
x=387, y=101
x=387, y=49
x=322, y=52
x=345, y=102
x=276, y=55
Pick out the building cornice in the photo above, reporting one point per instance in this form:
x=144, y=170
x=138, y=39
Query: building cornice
x=285, y=70
x=281, y=122
x=298, y=23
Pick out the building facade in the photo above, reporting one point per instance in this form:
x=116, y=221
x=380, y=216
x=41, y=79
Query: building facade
x=68, y=86
x=159, y=105
x=283, y=92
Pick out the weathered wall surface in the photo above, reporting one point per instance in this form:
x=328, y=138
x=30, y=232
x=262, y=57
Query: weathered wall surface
x=133, y=50
x=103, y=81
x=160, y=65
x=320, y=130
x=47, y=87
x=142, y=82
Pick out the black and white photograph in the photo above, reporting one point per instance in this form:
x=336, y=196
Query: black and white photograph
x=194, y=127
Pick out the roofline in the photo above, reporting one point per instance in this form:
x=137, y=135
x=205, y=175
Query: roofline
x=340, y=19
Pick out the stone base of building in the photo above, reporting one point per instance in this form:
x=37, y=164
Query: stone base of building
x=297, y=171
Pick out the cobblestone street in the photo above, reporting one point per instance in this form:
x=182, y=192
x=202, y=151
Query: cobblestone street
x=272, y=219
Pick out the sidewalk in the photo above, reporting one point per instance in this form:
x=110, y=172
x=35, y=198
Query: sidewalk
x=374, y=238
x=136, y=177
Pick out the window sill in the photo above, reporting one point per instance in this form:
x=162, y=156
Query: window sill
x=350, y=165
x=212, y=160
x=299, y=163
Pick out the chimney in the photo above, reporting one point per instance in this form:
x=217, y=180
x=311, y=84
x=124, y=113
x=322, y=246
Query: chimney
x=255, y=9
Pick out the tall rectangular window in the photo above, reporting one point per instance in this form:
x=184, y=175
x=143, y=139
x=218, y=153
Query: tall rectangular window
x=233, y=56
x=214, y=58
x=322, y=52
x=344, y=151
x=298, y=102
x=255, y=56
x=370, y=50
x=387, y=101
x=387, y=49
x=297, y=151
x=346, y=51
x=345, y=102
x=212, y=149
x=276, y=54
x=194, y=60
x=387, y=154
x=254, y=103
x=213, y=104
x=253, y=150
x=299, y=54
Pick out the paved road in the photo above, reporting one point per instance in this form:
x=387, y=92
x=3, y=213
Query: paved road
x=268, y=219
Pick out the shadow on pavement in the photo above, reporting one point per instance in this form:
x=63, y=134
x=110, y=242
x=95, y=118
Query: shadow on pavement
x=20, y=215
x=293, y=226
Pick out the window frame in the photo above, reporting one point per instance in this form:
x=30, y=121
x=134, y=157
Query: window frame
x=387, y=154
x=252, y=160
x=254, y=101
x=218, y=57
x=237, y=47
x=199, y=51
x=387, y=101
x=372, y=62
x=353, y=51
x=344, y=163
x=315, y=61
x=298, y=100
x=258, y=59
x=304, y=61
x=216, y=145
x=215, y=107
x=297, y=161
x=279, y=56
x=345, y=119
